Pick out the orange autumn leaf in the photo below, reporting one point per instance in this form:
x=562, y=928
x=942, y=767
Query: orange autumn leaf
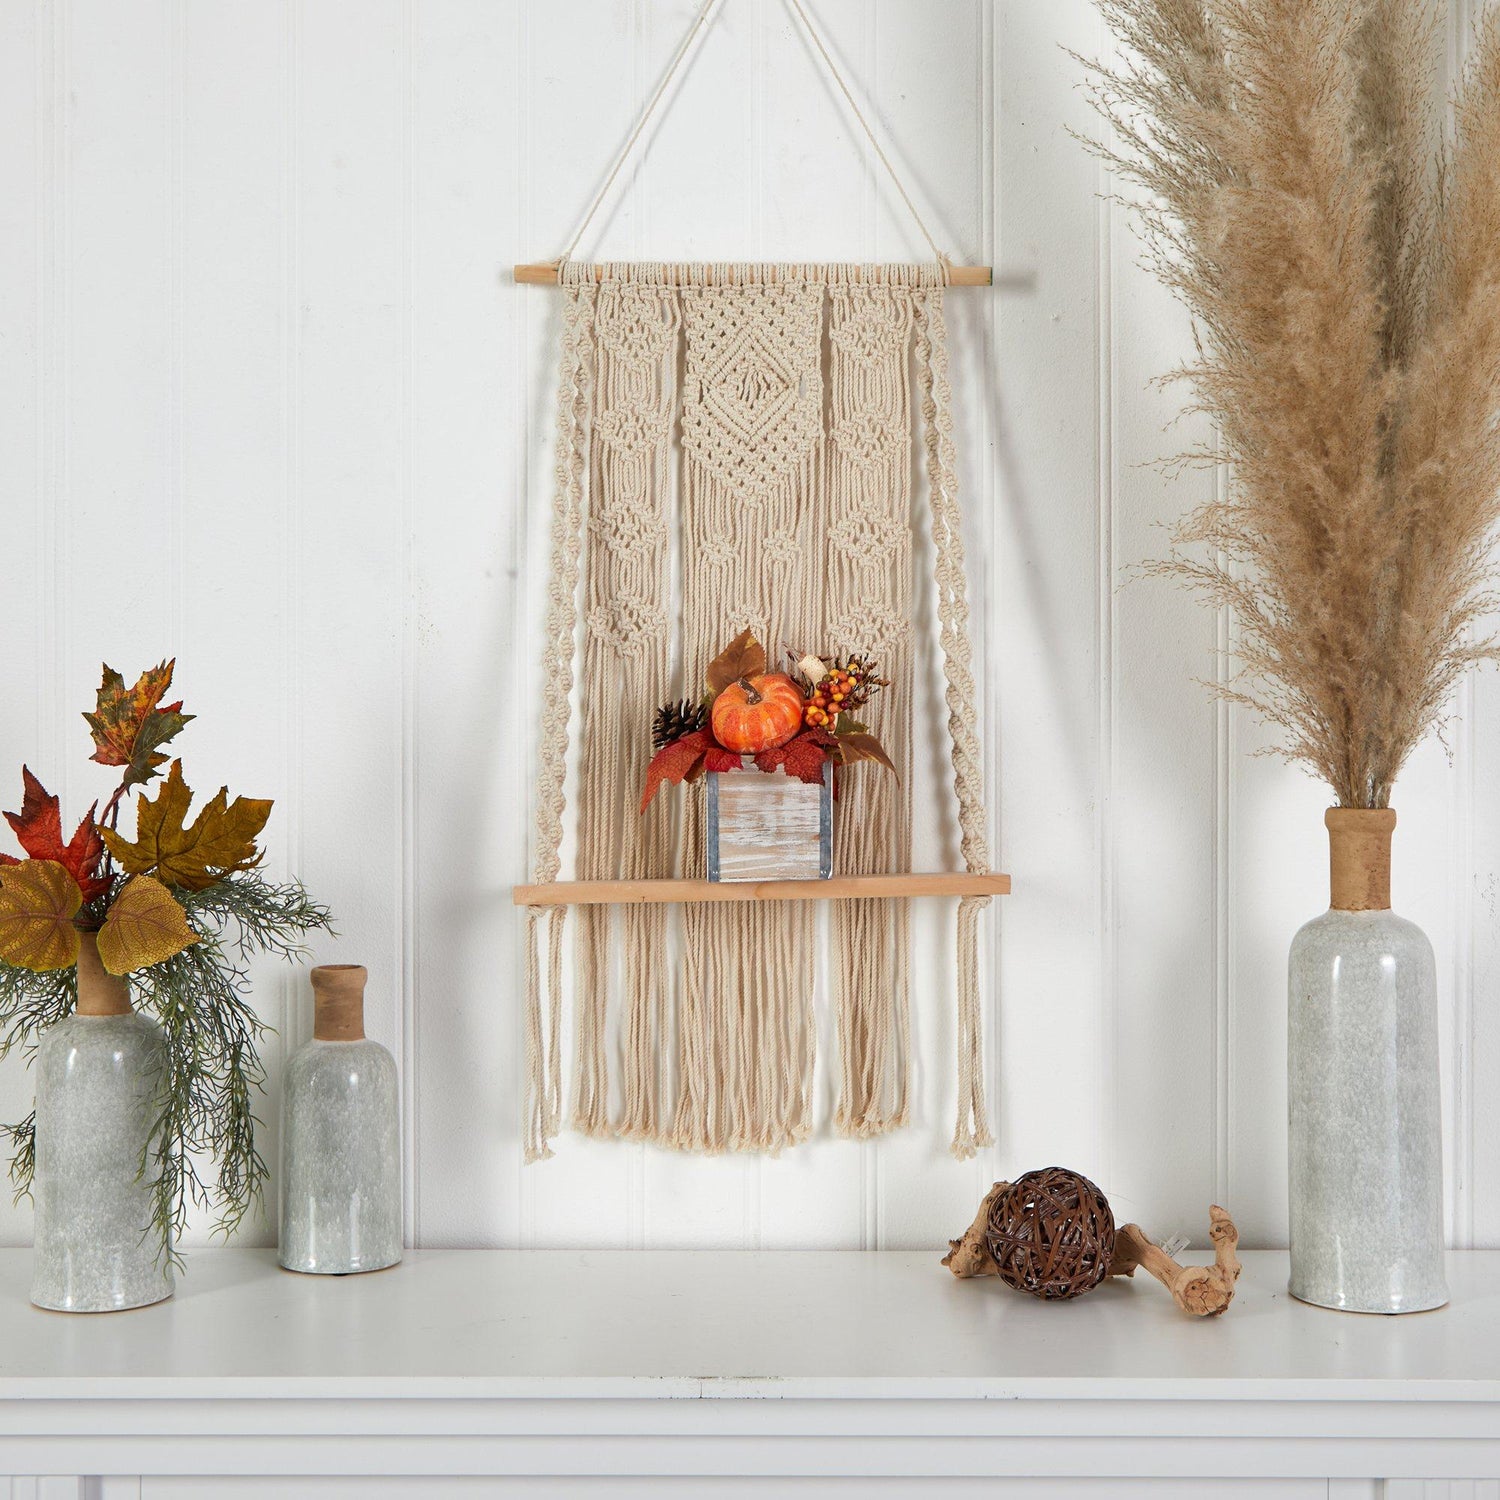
x=680, y=761
x=145, y=925
x=38, y=830
x=219, y=841
x=130, y=725
x=38, y=902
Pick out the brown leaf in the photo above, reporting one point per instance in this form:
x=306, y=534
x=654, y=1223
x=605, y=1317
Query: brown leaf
x=38, y=901
x=744, y=656
x=680, y=761
x=145, y=925
x=220, y=840
x=859, y=745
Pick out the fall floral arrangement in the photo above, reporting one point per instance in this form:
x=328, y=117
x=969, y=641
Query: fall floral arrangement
x=177, y=911
x=799, y=722
x=1339, y=251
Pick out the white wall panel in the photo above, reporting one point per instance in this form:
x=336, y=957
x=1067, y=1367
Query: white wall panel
x=271, y=404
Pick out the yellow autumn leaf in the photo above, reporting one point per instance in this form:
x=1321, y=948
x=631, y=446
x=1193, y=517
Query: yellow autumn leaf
x=38, y=901
x=220, y=840
x=145, y=925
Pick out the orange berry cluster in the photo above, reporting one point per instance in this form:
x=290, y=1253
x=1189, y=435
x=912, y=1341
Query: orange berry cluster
x=839, y=690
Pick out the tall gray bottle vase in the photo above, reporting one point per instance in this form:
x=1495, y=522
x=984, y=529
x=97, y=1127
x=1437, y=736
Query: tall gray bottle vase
x=97, y=1071
x=340, y=1139
x=1364, y=1115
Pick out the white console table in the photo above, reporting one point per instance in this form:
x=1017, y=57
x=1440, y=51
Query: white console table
x=621, y=1369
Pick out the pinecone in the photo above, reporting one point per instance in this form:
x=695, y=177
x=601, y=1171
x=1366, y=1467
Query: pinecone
x=673, y=720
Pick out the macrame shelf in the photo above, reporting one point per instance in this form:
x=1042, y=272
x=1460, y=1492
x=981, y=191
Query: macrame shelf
x=838, y=888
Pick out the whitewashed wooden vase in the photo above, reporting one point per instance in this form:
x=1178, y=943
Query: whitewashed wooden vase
x=340, y=1140
x=1364, y=1113
x=97, y=1073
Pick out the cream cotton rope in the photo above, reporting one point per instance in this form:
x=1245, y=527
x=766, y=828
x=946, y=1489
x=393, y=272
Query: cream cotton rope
x=764, y=417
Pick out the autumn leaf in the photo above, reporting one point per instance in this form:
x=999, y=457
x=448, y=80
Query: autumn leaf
x=680, y=761
x=803, y=756
x=38, y=829
x=743, y=657
x=717, y=758
x=220, y=840
x=38, y=901
x=856, y=743
x=129, y=727
x=145, y=925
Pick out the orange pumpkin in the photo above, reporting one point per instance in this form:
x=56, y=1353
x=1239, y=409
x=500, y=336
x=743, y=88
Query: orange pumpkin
x=757, y=713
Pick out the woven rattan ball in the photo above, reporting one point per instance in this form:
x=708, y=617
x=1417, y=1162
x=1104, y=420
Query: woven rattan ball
x=1052, y=1234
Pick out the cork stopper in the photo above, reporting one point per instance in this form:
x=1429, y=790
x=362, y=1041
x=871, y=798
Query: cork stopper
x=1359, y=857
x=339, y=1002
x=100, y=993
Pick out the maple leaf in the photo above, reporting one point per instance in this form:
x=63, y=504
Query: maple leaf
x=680, y=761
x=744, y=656
x=129, y=726
x=38, y=829
x=220, y=840
x=145, y=925
x=38, y=901
x=803, y=756
x=717, y=758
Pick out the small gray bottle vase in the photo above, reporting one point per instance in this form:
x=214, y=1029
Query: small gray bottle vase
x=97, y=1071
x=1364, y=1114
x=340, y=1139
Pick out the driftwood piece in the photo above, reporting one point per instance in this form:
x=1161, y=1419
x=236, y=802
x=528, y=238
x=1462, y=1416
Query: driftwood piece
x=1202, y=1291
x=969, y=1255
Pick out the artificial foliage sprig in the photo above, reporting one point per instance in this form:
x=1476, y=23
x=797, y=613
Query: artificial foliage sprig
x=799, y=728
x=178, y=912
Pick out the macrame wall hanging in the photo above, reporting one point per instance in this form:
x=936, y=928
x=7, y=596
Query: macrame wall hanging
x=735, y=450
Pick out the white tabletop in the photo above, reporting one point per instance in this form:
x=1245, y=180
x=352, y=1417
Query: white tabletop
x=483, y=1361
x=691, y=1323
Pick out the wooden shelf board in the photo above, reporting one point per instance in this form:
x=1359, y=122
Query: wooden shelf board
x=839, y=888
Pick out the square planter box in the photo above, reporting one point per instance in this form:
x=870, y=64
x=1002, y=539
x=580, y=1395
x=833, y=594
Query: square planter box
x=769, y=826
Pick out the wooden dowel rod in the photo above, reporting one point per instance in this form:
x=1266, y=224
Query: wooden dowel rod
x=839, y=888
x=546, y=275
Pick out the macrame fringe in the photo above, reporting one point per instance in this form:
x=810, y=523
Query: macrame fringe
x=768, y=506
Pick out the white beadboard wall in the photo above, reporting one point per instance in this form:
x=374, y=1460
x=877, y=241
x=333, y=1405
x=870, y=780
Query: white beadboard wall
x=270, y=403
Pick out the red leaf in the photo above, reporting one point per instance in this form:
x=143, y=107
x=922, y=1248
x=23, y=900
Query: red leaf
x=680, y=761
x=38, y=828
x=717, y=758
x=803, y=757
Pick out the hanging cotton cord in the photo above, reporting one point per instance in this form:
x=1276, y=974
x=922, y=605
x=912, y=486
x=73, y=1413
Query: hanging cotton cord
x=885, y=161
x=661, y=88
x=640, y=124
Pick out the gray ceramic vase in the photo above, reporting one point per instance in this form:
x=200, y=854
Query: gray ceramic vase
x=340, y=1139
x=1365, y=1134
x=97, y=1071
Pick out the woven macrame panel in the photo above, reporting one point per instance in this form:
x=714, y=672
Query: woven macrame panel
x=735, y=449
